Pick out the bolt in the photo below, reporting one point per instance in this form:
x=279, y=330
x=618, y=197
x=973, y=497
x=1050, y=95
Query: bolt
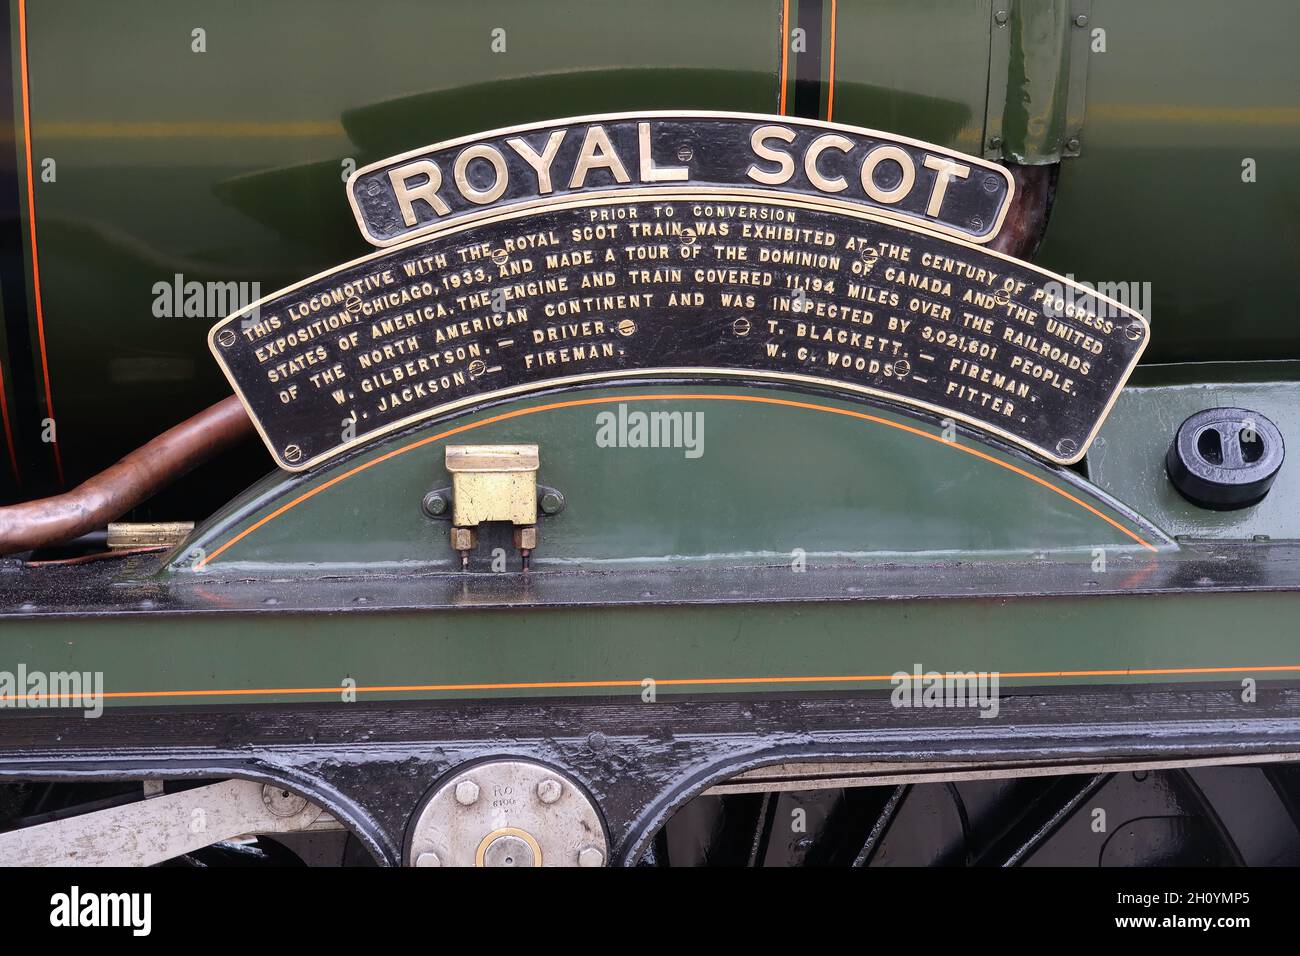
x=1072, y=145
x=435, y=504
x=590, y=856
x=1001, y=17
x=552, y=502
x=226, y=337
x=995, y=142
x=428, y=859
x=549, y=790
x=466, y=792
x=1081, y=20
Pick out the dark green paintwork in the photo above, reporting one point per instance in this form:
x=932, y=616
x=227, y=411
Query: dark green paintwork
x=1128, y=458
x=228, y=165
x=1183, y=94
x=770, y=480
x=933, y=90
x=158, y=652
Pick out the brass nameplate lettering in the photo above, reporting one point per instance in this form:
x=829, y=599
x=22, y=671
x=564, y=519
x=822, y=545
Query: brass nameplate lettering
x=743, y=155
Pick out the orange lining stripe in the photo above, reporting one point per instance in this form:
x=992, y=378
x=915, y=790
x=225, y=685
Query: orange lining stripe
x=785, y=49
x=830, y=89
x=9, y=435
x=31, y=216
x=639, y=682
x=755, y=399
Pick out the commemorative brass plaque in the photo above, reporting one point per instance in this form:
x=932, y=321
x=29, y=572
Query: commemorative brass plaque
x=707, y=286
x=724, y=153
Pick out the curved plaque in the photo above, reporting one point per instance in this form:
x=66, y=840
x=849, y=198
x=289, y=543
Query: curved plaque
x=769, y=290
x=743, y=154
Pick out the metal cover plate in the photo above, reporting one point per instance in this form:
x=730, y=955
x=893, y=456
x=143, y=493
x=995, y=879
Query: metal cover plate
x=507, y=813
x=741, y=154
x=590, y=290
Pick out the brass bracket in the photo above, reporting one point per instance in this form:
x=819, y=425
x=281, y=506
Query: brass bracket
x=493, y=483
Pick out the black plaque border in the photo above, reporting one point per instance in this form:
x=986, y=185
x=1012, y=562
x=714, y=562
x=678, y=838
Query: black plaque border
x=757, y=375
x=680, y=192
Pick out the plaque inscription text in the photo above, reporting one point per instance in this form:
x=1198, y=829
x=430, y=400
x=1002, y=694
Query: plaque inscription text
x=705, y=286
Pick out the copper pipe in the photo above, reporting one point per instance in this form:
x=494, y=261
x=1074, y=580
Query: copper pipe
x=119, y=488
x=1026, y=222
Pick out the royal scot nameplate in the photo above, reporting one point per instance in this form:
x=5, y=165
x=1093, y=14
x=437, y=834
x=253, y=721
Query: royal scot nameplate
x=723, y=153
x=642, y=286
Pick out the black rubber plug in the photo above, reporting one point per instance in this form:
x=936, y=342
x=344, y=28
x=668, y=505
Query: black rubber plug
x=1225, y=458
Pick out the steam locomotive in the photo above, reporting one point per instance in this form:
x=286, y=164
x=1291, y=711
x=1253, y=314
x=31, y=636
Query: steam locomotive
x=792, y=432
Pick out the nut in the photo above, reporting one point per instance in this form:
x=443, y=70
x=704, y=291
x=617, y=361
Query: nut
x=526, y=537
x=590, y=856
x=549, y=790
x=463, y=539
x=466, y=792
